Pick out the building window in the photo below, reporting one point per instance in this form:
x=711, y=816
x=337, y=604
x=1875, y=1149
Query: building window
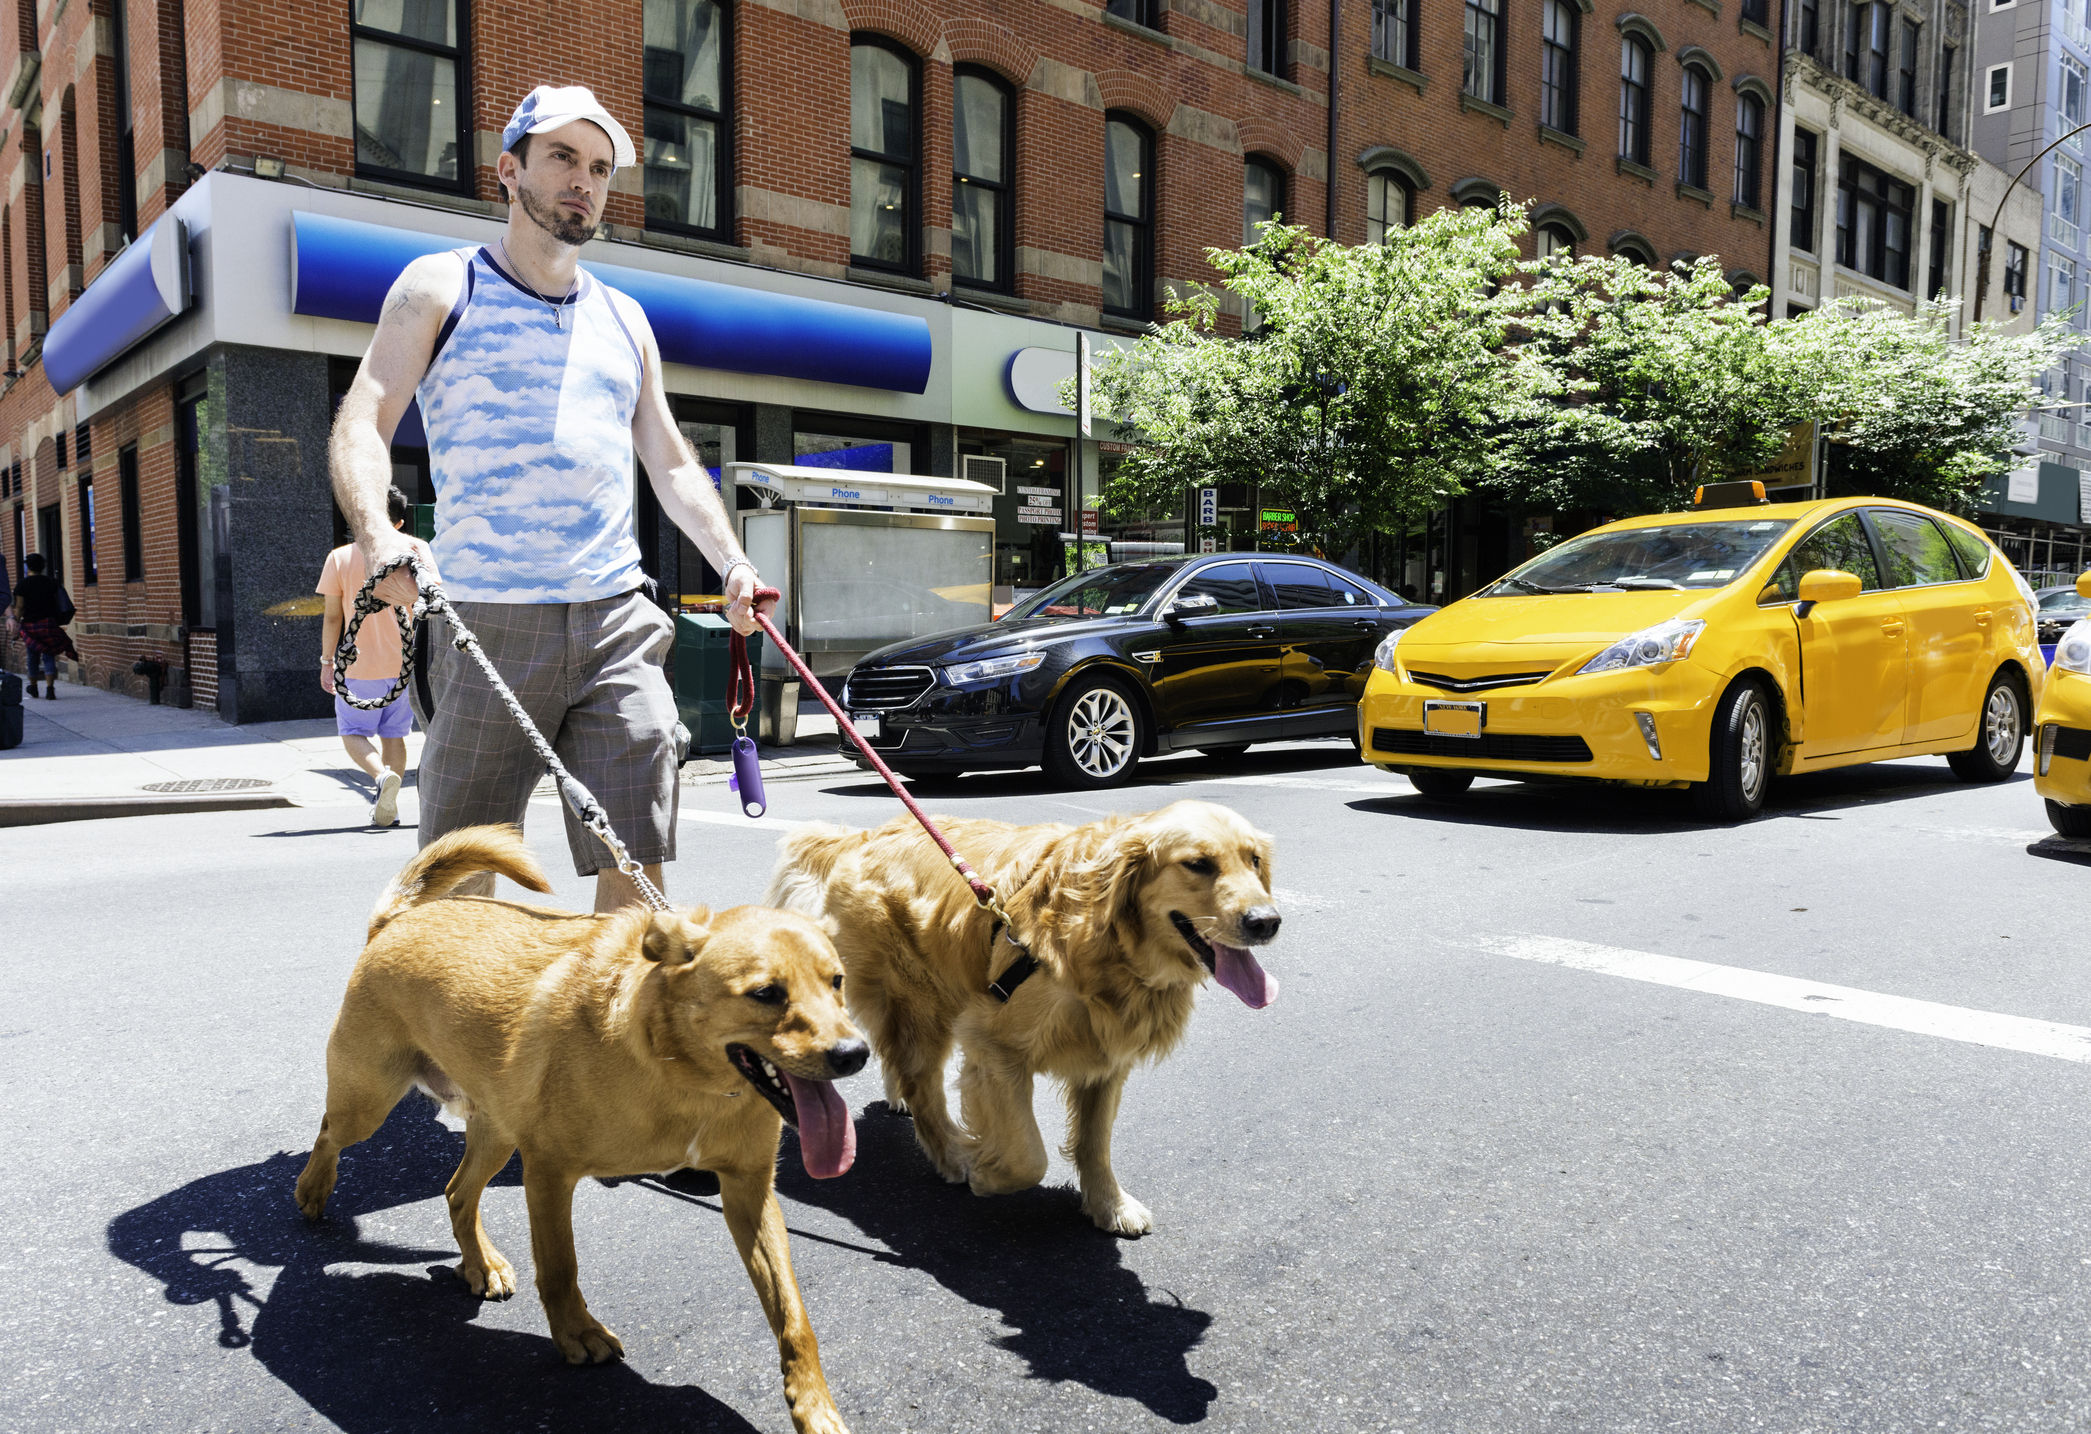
x=1691, y=129
x=1800, y=228
x=1945, y=97
x=1267, y=36
x=2070, y=94
x=1128, y=217
x=2061, y=284
x=90, y=571
x=2015, y=274
x=1997, y=90
x=1906, y=72
x=133, y=516
x=1749, y=149
x=1873, y=218
x=1554, y=242
x=1481, y=72
x=2069, y=188
x=1140, y=12
x=688, y=184
x=410, y=85
x=83, y=445
x=1941, y=227
x=1866, y=49
x=1263, y=197
x=882, y=154
x=982, y=165
x=1389, y=205
x=1557, y=66
x=1811, y=29
x=61, y=449
x=1633, y=99
x=1394, y=32
x=1757, y=12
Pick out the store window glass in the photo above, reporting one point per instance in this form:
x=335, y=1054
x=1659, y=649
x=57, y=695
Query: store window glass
x=853, y=454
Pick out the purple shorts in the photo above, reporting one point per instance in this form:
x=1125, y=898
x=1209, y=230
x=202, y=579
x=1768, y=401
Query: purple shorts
x=394, y=719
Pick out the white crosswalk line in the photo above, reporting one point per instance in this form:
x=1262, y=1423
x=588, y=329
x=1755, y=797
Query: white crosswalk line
x=1845, y=1003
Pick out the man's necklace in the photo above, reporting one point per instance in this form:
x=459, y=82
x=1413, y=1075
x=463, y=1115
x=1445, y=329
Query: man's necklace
x=558, y=309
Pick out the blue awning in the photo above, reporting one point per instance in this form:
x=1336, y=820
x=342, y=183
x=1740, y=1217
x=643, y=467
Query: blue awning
x=343, y=268
x=145, y=286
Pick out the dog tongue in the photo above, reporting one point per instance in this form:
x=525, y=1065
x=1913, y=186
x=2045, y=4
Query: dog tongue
x=827, y=1136
x=1244, y=975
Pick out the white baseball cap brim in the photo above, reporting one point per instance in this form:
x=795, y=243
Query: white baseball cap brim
x=549, y=108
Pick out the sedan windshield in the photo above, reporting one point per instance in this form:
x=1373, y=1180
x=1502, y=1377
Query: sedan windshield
x=1678, y=557
x=2063, y=601
x=1100, y=592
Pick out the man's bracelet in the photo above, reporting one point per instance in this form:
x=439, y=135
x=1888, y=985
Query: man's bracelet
x=736, y=563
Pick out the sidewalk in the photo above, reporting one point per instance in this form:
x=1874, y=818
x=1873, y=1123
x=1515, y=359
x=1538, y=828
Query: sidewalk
x=95, y=754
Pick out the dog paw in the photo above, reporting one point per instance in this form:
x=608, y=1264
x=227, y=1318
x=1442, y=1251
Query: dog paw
x=1122, y=1216
x=494, y=1280
x=313, y=1190
x=823, y=1420
x=588, y=1343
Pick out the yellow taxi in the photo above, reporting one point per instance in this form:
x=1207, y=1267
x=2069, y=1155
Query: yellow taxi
x=1716, y=648
x=2062, y=746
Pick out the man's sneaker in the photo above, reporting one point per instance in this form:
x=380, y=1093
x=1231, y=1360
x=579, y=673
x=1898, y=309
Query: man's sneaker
x=386, y=812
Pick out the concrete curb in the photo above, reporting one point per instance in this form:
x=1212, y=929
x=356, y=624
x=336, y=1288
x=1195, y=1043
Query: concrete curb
x=39, y=811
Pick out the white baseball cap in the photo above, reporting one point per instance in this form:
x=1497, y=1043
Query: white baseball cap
x=548, y=108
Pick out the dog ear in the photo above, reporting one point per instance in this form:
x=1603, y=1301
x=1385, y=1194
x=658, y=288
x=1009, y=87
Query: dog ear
x=673, y=938
x=1106, y=889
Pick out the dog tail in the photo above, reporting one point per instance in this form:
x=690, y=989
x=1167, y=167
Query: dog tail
x=805, y=862
x=452, y=859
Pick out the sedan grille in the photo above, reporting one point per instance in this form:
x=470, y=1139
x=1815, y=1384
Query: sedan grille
x=1478, y=684
x=1491, y=746
x=872, y=689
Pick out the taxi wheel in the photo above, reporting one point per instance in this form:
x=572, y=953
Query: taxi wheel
x=2067, y=820
x=1440, y=785
x=1742, y=753
x=2000, y=736
x=1095, y=735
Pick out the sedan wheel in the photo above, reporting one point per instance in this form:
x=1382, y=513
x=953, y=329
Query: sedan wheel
x=1999, y=739
x=1095, y=736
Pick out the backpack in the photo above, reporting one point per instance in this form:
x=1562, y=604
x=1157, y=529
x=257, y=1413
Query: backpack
x=66, y=611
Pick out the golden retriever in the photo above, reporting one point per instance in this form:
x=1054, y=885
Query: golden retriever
x=1126, y=918
x=618, y=1044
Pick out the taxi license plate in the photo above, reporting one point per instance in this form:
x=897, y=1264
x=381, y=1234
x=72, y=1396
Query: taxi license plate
x=1454, y=719
x=867, y=724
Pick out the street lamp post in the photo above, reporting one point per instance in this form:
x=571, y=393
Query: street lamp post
x=1982, y=285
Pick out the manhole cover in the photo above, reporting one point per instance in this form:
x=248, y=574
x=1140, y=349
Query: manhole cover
x=209, y=784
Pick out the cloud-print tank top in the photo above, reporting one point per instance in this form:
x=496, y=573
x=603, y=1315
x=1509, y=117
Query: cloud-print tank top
x=529, y=420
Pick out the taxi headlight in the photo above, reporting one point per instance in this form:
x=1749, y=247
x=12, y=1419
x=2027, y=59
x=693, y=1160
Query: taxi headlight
x=1383, y=658
x=1650, y=647
x=2073, y=652
x=961, y=674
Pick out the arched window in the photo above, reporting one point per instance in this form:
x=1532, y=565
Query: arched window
x=982, y=166
x=1691, y=129
x=1554, y=241
x=688, y=171
x=1390, y=204
x=1482, y=65
x=882, y=146
x=1633, y=99
x=1128, y=217
x=1557, y=66
x=1749, y=149
x=1263, y=197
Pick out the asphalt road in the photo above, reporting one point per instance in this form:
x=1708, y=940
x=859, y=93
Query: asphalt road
x=1439, y=1185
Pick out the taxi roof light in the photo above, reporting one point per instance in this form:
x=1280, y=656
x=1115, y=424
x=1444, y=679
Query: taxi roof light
x=1748, y=494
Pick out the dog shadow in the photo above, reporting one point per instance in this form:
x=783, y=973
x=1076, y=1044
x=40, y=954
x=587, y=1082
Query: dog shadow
x=1033, y=1257
x=394, y=1349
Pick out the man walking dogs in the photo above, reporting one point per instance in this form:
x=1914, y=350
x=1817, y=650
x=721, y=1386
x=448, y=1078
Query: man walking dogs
x=538, y=386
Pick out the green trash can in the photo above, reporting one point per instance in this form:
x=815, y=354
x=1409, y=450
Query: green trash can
x=703, y=672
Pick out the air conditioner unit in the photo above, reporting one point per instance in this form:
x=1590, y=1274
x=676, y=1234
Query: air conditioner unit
x=2018, y=301
x=979, y=468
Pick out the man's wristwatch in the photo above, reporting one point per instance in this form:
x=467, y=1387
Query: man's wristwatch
x=736, y=563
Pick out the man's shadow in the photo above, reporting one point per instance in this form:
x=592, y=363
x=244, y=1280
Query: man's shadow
x=394, y=1350
x=1033, y=1257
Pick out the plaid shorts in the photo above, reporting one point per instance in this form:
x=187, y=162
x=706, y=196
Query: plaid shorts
x=589, y=674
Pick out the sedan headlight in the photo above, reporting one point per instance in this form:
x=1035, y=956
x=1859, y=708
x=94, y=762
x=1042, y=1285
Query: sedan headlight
x=1383, y=658
x=1650, y=647
x=964, y=674
x=2073, y=652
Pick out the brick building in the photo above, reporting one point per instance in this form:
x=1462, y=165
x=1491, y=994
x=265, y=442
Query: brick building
x=215, y=189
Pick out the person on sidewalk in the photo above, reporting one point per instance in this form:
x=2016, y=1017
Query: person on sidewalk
x=538, y=387
x=41, y=607
x=373, y=672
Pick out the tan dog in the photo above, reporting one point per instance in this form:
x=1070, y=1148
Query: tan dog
x=600, y=1045
x=1126, y=918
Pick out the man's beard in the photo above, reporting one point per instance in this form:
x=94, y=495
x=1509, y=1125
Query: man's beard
x=566, y=227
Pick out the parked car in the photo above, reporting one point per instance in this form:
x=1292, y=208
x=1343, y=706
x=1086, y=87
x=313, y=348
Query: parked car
x=2056, y=609
x=1211, y=652
x=2062, y=728
x=1717, y=648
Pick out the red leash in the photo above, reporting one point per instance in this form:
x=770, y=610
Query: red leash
x=742, y=684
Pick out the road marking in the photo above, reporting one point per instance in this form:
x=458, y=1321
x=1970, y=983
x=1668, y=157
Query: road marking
x=724, y=819
x=1378, y=789
x=1900, y=1013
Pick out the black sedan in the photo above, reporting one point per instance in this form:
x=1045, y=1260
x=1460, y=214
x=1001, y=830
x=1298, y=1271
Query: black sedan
x=1211, y=652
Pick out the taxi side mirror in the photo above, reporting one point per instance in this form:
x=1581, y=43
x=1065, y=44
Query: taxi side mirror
x=1825, y=585
x=2083, y=585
